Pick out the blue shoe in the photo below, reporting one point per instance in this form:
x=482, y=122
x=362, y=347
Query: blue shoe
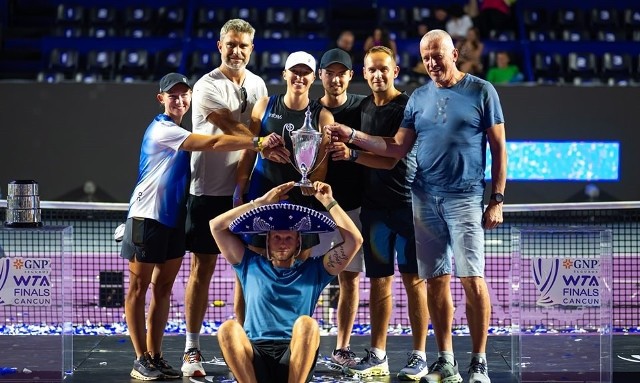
x=370, y=365
x=415, y=369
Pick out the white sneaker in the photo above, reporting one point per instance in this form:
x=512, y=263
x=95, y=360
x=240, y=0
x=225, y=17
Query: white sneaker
x=478, y=372
x=192, y=363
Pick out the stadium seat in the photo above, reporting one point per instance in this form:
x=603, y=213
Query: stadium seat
x=50, y=77
x=138, y=32
x=548, y=67
x=133, y=62
x=616, y=68
x=506, y=35
x=203, y=62
x=391, y=17
x=312, y=19
x=279, y=18
x=575, y=35
x=208, y=33
x=167, y=61
x=249, y=14
x=610, y=36
x=170, y=22
x=273, y=61
x=570, y=19
x=631, y=21
x=420, y=14
x=70, y=15
x=535, y=19
x=103, y=15
x=542, y=35
x=138, y=15
x=210, y=17
x=102, y=62
x=101, y=32
x=276, y=34
x=581, y=67
x=604, y=18
x=68, y=31
x=65, y=61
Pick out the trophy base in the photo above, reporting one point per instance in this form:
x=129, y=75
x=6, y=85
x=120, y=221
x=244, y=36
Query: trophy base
x=304, y=184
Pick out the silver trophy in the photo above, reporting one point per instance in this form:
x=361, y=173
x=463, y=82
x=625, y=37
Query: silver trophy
x=306, y=142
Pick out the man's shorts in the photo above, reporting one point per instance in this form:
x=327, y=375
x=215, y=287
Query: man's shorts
x=332, y=238
x=149, y=241
x=388, y=233
x=271, y=360
x=446, y=228
x=201, y=210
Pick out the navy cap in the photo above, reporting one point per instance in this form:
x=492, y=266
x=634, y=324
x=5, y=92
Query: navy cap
x=170, y=80
x=335, y=55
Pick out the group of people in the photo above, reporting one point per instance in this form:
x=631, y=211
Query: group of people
x=397, y=176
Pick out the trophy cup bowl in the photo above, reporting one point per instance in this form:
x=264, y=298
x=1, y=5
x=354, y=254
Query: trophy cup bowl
x=306, y=142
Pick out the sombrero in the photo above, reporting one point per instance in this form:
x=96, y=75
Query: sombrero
x=282, y=216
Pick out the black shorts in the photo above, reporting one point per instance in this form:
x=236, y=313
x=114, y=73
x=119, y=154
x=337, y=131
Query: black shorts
x=271, y=361
x=201, y=210
x=149, y=241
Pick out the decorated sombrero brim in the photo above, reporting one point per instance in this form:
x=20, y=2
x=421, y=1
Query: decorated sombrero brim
x=282, y=216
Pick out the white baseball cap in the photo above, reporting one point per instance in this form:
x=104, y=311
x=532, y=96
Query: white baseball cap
x=300, y=57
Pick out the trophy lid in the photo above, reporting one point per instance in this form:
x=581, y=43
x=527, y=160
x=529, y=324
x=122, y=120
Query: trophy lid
x=307, y=127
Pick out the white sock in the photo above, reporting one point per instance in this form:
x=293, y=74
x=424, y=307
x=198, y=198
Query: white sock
x=448, y=356
x=380, y=354
x=193, y=341
x=421, y=354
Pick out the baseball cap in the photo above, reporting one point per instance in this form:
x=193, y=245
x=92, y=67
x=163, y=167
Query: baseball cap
x=335, y=55
x=300, y=57
x=169, y=80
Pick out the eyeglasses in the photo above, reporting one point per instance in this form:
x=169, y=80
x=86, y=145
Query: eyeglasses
x=243, y=97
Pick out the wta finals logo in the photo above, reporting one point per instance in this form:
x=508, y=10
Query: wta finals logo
x=570, y=282
x=4, y=274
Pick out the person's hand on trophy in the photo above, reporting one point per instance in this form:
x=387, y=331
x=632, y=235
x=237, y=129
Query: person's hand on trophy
x=339, y=151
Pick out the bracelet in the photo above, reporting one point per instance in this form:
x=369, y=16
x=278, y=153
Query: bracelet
x=253, y=204
x=257, y=143
x=331, y=204
x=352, y=136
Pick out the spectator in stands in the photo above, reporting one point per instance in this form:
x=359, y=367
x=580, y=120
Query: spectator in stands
x=440, y=18
x=494, y=15
x=504, y=72
x=459, y=23
x=470, y=52
x=387, y=223
x=346, y=41
x=154, y=237
x=345, y=177
x=279, y=340
x=381, y=37
x=450, y=120
x=222, y=103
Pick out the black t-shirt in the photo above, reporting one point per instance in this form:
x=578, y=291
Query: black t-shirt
x=384, y=189
x=346, y=177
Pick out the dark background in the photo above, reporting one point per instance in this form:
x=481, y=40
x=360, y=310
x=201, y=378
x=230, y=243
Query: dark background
x=64, y=134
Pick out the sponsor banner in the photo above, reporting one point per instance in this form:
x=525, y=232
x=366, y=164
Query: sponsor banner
x=25, y=281
x=567, y=281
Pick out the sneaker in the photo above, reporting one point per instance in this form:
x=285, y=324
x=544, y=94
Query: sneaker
x=370, y=365
x=164, y=367
x=344, y=358
x=192, y=363
x=442, y=371
x=415, y=369
x=478, y=372
x=144, y=369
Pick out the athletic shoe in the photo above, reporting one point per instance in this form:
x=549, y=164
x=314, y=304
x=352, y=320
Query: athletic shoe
x=192, y=363
x=164, y=367
x=415, y=369
x=344, y=358
x=478, y=372
x=370, y=365
x=144, y=369
x=442, y=371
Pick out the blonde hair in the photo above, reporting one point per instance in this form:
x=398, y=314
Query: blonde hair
x=383, y=49
x=238, y=26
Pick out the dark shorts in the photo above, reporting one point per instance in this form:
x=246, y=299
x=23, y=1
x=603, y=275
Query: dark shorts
x=201, y=210
x=149, y=241
x=387, y=234
x=271, y=361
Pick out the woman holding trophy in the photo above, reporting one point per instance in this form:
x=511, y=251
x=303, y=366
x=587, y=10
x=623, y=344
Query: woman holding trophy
x=299, y=120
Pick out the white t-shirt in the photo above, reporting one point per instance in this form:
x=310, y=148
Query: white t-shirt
x=163, y=173
x=213, y=172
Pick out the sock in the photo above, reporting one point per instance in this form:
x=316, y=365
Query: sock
x=448, y=356
x=380, y=354
x=421, y=354
x=193, y=341
x=479, y=355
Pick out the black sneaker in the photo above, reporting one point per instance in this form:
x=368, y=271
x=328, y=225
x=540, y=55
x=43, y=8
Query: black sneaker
x=144, y=369
x=164, y=367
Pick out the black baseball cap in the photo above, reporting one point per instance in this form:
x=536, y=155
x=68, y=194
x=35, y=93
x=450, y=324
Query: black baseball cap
x=335, y=55
x=171, y=79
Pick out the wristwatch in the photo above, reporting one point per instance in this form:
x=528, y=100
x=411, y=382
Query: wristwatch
x=498, y=197
x=353, y=155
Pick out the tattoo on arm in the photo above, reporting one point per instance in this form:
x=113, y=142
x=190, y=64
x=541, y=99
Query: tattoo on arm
x=337, y=257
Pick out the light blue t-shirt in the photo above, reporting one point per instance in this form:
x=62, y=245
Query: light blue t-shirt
x=451, y=135
x=276, y=297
